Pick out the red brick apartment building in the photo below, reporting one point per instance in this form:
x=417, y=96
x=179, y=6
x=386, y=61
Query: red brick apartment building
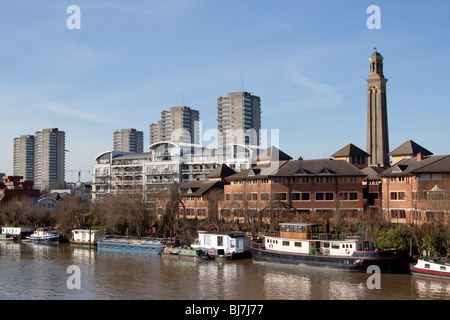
x=416, y=188
x=12, y=187
x=299, y=186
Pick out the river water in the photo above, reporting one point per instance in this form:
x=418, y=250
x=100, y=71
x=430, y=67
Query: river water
x=40, y=272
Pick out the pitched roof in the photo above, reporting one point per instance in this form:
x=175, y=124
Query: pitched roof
x=197, y=188
x=350, y=150
x=259, y=171
x=273, y=153
x=373, y=172
x=318, y=167
x=221, y=171
x=432, y=164
x=410, y=148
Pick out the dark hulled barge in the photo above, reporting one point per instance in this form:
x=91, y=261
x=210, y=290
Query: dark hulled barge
x=306, y=244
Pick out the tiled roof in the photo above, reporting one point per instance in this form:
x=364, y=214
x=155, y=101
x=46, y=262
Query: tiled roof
x=431, y=164
x=410, y=148
x=350, y=150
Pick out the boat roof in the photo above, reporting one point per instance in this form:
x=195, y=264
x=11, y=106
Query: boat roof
x=226, y=233
x=300, y=224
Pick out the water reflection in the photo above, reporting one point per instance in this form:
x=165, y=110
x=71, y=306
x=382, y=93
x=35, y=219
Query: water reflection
x=37, y=271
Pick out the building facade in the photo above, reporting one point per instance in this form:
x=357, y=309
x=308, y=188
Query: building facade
x=166, y=163
x=23, y=155
x=417, y=189
x=49, y=158
x=129, y=140
x=179, y=124
x=239, y=119
x=377, y=120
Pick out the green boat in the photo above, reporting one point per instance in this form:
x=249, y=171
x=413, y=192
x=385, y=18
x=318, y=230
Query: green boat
x=182, y=252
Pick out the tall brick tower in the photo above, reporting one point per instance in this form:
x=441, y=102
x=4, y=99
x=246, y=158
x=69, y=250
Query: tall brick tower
x=377, y=120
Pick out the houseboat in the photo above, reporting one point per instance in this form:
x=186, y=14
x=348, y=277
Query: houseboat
x=18, y=233
x=126, y=244
x=307, y=244
x=83, y=237
x=182, y=252
x=430, y=267
x=217, y=244
x=43, y=235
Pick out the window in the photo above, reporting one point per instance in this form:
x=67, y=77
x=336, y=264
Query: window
x=324, y=196
x=348, y=196
x=207, y=239
x=280, y=180
x=300, y=180
x=298, y=244
x=252, y=196
x=265, y=180
x=264, y=196
x=220, y=241
x=443, y=268
x=398, y=214
x=398, y=195
x=285, y=243
x=279, y=196
x=300, y=196
x=427, y=266
x=227, y=196
x=238, y=196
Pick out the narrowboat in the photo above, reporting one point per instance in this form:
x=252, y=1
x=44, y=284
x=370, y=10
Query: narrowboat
x=430, y=267
x=306, y=244
x=218, y=244
x=180, y=252
x=83, y=237
x=43, y=235
x=115, y=243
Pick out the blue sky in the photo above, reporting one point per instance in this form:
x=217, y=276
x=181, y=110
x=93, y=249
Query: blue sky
x=307, y=60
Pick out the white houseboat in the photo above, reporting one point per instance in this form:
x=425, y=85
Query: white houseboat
x=218, y=244
x=83, y=237
x=18, y=233
x=307, y=244
x=430, y=267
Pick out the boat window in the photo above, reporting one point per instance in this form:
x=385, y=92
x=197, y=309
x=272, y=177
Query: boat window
x=326, y=245
x=207, y=239
x=232, y=243
x=334, y=246
x=443, y=268
x=350, y=246
x=297, y=244
x=220, y=241
x=427, y=265
x=285, y=243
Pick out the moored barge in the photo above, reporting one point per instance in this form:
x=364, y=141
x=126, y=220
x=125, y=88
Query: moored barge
x=222, y=244
x=306, y=244
x=114, y=243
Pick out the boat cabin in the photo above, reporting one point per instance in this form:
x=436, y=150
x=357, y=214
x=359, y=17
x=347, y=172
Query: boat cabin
x=83, y=236
x=222, y=243
x=308, y=238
